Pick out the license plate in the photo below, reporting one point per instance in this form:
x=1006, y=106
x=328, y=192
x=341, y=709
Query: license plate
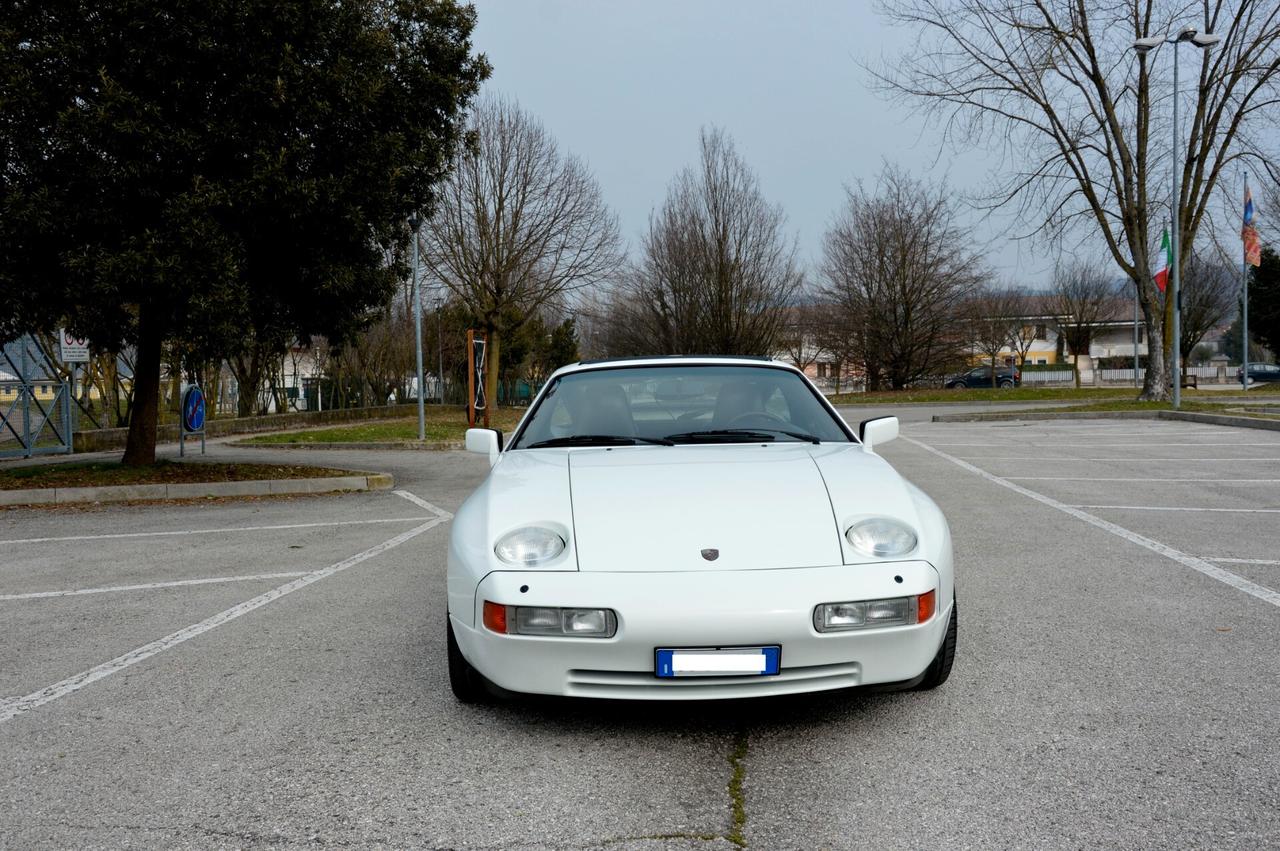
x=717, y=661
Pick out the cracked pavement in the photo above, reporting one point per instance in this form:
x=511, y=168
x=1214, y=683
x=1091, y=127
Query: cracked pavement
x=1103, y=695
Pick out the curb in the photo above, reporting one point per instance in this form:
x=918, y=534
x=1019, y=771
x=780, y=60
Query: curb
x=196, y=490
x=393, y=445
x=1184, y=416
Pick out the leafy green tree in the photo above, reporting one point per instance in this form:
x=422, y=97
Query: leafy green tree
x=218, y=172
x=562, y=347
x=1264, y=301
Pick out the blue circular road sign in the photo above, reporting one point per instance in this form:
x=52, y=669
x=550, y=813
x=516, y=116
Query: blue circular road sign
x=193, y=409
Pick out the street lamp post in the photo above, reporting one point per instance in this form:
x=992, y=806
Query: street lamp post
x=1144, y=46
x=417, y=329
x=440, y=348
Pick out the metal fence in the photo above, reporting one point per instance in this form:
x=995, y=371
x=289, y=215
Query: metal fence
x=35, y=402
x=1048, y=376
x=1202, y=373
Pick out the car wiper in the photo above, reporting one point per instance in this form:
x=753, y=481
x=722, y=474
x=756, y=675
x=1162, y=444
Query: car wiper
x=599, y=440
x=752, y=433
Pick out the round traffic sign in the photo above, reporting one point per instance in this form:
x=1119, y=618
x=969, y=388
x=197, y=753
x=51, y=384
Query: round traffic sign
x=193, y=408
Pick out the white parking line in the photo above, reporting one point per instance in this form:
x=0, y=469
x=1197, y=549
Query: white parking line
x=1241, y=560
x=171, y=532
x=1182, y=508
x=422, y=503
x=15, y=706
x=1102, y=479
x=150, y=585
x=1197, y=564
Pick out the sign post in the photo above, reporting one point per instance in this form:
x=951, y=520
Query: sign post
x=476, y=401
x=192, y=419
x=72, y=350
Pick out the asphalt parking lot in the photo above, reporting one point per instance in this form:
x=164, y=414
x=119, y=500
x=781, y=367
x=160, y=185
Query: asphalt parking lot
x=271, y=674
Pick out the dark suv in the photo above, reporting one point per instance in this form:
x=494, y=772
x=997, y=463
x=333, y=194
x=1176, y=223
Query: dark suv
x=1006, y=377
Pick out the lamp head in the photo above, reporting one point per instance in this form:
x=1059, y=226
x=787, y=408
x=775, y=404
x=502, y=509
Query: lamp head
x=1204, y=40
x=1148, y=44
x=1186, y=34
x=413, y=222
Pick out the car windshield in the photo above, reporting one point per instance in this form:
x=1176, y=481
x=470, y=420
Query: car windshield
x=622, y=406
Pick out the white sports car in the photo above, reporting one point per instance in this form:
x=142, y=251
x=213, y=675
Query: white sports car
x=694, y=527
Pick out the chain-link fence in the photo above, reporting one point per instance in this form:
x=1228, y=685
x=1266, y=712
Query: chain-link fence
x=35, y=402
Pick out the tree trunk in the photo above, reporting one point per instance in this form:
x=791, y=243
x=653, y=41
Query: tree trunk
x=492, y=356
x=174, y=401
x=1155, y=386
x=1075, y=362
x=140, y=449
x=249, y=378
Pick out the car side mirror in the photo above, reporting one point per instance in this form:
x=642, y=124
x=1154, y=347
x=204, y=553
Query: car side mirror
x=485, y=441
x=872, y=433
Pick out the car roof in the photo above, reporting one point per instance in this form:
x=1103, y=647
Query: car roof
x=675, y=360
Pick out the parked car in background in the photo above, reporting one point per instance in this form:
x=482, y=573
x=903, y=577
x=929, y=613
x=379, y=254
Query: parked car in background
x=1260, y=372
x=1007, y=377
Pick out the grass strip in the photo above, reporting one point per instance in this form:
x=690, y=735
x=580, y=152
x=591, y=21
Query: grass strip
x=442, y=425
x=1022, y=394
x=99, y=473
x=738, y=800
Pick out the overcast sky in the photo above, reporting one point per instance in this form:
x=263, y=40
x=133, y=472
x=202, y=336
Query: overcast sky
x=626, y=85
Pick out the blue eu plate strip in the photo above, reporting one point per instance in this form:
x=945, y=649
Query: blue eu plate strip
x=664, y=660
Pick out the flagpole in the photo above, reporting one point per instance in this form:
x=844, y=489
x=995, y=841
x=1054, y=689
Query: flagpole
x=1135, y=337
x=1244, y=275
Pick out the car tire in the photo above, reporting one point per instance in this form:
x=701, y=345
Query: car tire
x=467, y=683
x=1006, y=385
x=940, y=668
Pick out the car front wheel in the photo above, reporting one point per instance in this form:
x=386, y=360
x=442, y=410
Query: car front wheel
x=467, y=683
x=940, y=668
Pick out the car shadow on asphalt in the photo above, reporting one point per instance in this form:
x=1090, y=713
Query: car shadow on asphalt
x=813, y=711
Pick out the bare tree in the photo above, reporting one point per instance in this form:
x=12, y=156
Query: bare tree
x=995, y=319
x=517, y=225
x=897, y=261
x=798, y=340
x=1032, y=325
x=1056, y=82
x=717, y=267
x=840, y=336
x=1082, y=294
x=1209, y=291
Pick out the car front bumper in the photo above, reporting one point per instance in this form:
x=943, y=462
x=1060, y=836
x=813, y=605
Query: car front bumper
x=705, y=609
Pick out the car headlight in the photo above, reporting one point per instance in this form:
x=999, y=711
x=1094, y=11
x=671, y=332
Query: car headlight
x=881, y=537
x=529, y=545
x=868, y=614
x=550, y=621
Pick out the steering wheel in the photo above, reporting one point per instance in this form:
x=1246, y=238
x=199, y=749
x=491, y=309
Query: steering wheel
x=769, y=420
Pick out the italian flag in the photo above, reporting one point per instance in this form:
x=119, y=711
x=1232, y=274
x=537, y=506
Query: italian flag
x=1162, y=277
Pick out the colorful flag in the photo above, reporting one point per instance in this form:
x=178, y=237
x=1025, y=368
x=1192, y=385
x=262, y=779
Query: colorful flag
x=1162, y=277
x=1252, y=244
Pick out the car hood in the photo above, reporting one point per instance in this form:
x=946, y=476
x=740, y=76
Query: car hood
x=652, y=509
